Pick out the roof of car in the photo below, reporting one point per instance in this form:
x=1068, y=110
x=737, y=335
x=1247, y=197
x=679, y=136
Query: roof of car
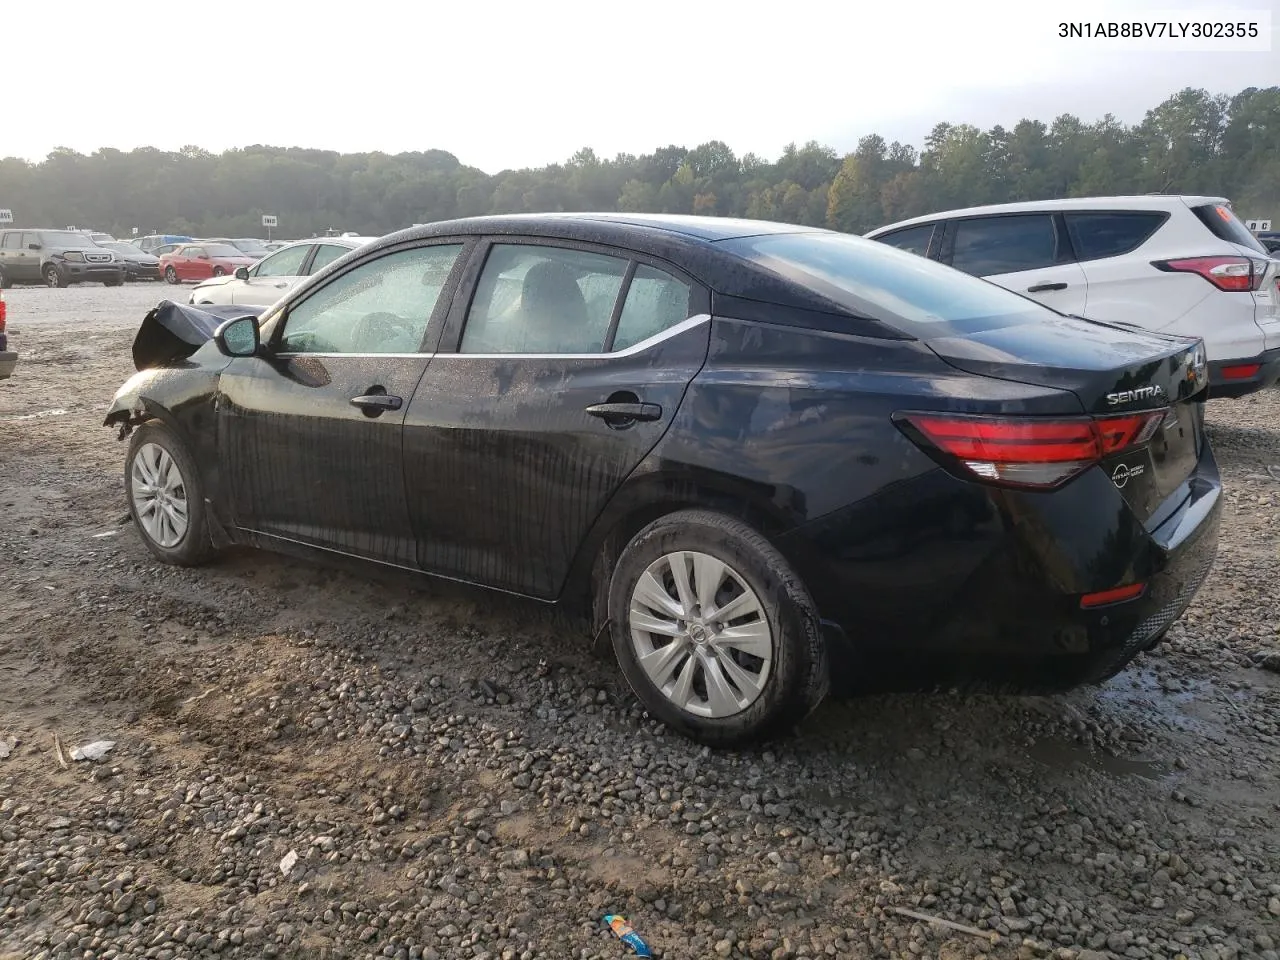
x=609, y=226
x=1160, y=201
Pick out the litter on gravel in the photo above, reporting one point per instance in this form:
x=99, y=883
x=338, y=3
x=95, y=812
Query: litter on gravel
x=92, y=751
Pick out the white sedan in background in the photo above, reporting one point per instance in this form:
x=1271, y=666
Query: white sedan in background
x=275, y=275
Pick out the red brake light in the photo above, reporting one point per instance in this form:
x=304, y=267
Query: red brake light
x=1236, y=274
x=1031, y=451
x=3, y=313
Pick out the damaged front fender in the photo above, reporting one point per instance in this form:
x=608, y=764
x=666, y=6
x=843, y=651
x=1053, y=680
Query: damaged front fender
x=178, y=369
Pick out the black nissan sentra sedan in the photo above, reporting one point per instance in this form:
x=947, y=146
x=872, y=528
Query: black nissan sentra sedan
x=768, y=458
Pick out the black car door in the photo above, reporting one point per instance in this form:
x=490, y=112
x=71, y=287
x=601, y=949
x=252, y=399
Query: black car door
x=311, y=432
x=555, y=377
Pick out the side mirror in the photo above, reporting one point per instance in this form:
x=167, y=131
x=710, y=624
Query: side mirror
x=238, y=338
x=33, y=246
x=204, y=256
x=242, y=273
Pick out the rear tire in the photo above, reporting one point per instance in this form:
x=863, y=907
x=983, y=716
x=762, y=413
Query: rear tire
x=166, y=496
x=719, y=682
x=219, y=272
x=5, y=282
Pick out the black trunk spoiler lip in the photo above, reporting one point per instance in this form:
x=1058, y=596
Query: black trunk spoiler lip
x=172, y=331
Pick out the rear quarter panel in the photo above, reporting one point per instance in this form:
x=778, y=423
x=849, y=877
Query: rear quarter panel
x=784, y=426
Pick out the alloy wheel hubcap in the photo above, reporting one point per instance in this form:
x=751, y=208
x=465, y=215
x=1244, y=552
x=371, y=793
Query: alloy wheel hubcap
x=159, y=495
x=701, y=635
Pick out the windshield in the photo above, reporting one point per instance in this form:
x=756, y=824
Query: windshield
x=65, y=238
x=916, y=296
x=222, y=250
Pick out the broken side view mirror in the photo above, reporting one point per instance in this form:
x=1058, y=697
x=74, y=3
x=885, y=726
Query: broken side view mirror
x=33, y=246
x=238, y=337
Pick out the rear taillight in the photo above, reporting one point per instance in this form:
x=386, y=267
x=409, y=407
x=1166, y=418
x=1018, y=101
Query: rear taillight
x=1236, y=274
x=1028, y=451
x=4, y=310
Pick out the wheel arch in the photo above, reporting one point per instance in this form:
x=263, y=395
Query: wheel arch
x=647, y=497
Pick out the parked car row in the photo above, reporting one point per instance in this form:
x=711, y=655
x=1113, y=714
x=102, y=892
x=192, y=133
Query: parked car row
x=1179, y=265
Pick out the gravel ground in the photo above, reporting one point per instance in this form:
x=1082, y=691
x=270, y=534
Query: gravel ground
x=314, y=763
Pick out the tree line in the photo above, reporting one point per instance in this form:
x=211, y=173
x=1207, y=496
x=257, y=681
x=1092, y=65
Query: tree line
x=1192, y=143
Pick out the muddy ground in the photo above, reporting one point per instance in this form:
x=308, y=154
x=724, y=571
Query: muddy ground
x=453, y=775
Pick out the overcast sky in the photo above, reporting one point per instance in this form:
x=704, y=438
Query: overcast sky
x=503, y=84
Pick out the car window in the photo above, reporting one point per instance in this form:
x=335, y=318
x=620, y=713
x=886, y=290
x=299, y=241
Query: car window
x=326, y=253
x=539, y=299
x=655, y=301
x=1109, y=234
x=918, y=296
x=11, y=241
x=993, y=245
x=283, y=263
x=382, y=306
x=1225, y=225
x=912, y=239
x=30, y=238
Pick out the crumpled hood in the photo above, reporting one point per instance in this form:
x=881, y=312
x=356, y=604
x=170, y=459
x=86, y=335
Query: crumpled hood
x=173, y=331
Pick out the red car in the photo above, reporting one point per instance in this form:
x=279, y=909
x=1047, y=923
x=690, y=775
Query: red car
x=200, y=261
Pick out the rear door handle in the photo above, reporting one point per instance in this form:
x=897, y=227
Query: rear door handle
x=626, y=411
x=1042, y=287
x=371, y=402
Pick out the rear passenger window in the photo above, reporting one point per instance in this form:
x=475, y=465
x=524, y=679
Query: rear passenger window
x=11, y=241
x=655, y=301
x=1097, y=235
x=912, y=239
x=994, y=245
x=539, y=299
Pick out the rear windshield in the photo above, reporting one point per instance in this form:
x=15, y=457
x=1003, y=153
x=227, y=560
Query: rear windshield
x=916, y=296
x=1225, y=225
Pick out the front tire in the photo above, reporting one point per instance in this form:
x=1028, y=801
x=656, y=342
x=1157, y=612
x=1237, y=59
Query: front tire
x=53, y=278
x=714, y=631
x=170, y=275
x=166, y=496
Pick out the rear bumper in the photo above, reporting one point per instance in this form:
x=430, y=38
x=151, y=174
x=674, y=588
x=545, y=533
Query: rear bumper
x=1223, y=384
x=943, y=582
x=8, y=360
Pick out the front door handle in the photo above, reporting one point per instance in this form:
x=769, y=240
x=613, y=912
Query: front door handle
x=625, y=411
x=375, y=403
x=1042, y=287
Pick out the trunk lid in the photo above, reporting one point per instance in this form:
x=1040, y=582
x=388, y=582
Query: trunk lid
x=1113, y=371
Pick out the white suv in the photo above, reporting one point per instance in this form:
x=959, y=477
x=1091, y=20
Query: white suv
x=1180, y=265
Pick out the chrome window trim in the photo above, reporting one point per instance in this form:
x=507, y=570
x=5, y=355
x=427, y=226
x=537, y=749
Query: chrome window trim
x=682, y=327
